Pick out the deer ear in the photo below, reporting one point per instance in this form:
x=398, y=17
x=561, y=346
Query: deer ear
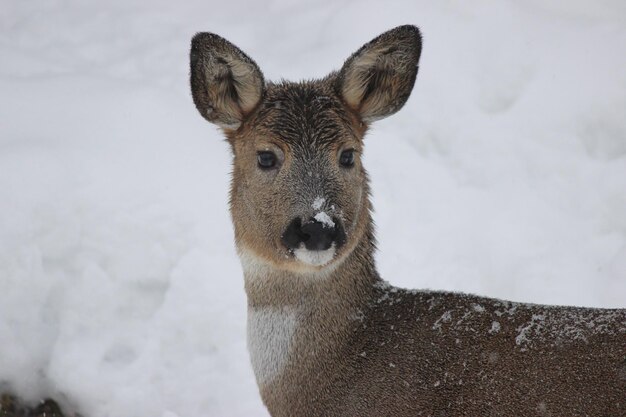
x=226, y=84
x=377, y=79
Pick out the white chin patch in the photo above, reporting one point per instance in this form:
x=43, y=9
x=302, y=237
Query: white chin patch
x=315, y=257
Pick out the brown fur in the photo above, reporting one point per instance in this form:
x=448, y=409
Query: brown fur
x=230, y=82
x=351, y=345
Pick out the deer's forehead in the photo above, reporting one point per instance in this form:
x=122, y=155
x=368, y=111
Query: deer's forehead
x=305, y=115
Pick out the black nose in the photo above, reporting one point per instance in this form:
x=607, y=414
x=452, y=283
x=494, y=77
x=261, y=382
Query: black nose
x=314, y=234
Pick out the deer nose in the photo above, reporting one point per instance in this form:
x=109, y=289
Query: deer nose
x=314, y=234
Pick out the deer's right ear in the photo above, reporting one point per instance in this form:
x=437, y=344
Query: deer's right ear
x=377, y=79
x=226, y=84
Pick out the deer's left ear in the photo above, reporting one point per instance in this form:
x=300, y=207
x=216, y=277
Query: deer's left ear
x=377, y=79
x=226, y=84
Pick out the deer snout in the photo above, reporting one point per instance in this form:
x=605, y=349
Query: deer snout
x=316, y=234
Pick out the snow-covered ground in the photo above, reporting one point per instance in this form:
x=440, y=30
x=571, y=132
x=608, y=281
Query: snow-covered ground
x=504, y=175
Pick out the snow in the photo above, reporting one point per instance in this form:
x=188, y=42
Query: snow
x=524, y=331
x=318, y=203
x=495, y=327
x=445, y=318
x=503, y=175
x=325, y=219
x=478, y=308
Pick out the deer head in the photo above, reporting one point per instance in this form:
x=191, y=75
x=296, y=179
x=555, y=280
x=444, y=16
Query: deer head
x=299, y=193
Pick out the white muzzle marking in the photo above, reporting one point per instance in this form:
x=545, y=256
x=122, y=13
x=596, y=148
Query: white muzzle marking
x=314, y=257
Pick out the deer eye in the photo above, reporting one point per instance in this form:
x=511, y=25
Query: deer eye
x=346, y=159
x=266, y=159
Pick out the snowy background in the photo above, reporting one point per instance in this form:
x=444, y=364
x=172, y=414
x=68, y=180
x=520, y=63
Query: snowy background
x=504, y=175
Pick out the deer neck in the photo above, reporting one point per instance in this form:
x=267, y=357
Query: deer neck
x=305, y=313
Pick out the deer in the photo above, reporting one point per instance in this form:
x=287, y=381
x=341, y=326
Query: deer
x=327, y=336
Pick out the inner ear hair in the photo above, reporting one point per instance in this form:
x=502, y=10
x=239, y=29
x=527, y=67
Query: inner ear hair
x=226, y=84
x=377, y=80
